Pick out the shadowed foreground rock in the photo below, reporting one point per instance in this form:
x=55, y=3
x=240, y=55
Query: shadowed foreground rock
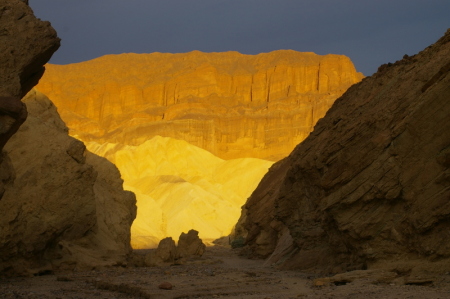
x=26, y=44
x=66, y=208
x=370, y=187
x=189, y=245
x=62, y=208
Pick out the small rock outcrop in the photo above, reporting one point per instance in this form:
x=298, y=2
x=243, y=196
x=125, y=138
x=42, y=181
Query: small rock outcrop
x=370, y=187
x=165, y=253
x=189, y=246
x=65, y=208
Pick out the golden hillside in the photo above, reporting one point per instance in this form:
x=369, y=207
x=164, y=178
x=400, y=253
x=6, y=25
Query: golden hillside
x=230, y=104
x=179, y=187
x=193, y=133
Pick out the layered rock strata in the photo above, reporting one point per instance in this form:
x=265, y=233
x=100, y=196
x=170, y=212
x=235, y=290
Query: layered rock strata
x=232, y=105
x=149, y=113
x=370, y=187
x=65, y=208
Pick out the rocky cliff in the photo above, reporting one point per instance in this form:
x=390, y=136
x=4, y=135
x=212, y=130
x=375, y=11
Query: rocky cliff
x=62, y=208
x=232, y=105
x=370, y=187
x=65, y=208
x=26, y=44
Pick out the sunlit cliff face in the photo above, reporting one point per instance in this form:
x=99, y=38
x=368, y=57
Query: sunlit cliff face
x=232, y=106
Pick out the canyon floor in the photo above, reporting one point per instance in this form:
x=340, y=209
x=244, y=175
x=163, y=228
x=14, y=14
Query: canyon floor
x=220, y=273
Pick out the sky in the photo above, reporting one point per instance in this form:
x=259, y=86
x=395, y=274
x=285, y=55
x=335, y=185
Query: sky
x=370, y=32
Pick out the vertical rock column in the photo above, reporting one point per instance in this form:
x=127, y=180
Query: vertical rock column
x=26, y=44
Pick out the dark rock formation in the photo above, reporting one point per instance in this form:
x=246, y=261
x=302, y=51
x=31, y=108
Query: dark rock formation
x=165, y=253
x=189, y=245
x=65, y=208
x=12, y=115
x=26, y=44
x=370, y=187
x=62, y=208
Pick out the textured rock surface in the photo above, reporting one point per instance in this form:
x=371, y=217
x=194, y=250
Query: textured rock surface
x=64, y=209
x=165, y=253
x=179, y=186
x=230, y=104
x=190, y=245
x=370, y=187
x=26, y=44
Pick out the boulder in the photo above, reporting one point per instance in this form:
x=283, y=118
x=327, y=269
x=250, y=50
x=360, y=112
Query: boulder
x=165, y=253
x=190, y=245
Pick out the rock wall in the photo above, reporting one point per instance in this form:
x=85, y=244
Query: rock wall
x=26, y=44
x=370, y=187
x=65, y=208
x=62, y=208
x=232, y=105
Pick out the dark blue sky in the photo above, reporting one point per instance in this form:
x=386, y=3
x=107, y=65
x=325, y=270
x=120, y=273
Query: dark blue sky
x=370, y=32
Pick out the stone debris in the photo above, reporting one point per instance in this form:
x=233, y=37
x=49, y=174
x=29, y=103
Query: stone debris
x=189, y=246
x=165, y=286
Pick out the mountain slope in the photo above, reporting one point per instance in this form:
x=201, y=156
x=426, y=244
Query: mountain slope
x=180, y=187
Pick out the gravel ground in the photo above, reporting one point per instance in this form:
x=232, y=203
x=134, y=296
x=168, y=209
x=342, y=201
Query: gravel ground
x=220, y=273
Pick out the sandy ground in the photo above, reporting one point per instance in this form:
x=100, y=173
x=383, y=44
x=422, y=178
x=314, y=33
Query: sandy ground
x=220, y=273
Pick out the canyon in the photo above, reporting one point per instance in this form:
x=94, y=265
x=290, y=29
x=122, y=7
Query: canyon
x=360, y=208
x=192, y=134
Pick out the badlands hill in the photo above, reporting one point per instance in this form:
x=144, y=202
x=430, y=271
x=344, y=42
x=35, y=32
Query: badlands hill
x=230, y=104
x=370, y=187
x=168, y=120
x=180, y=187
